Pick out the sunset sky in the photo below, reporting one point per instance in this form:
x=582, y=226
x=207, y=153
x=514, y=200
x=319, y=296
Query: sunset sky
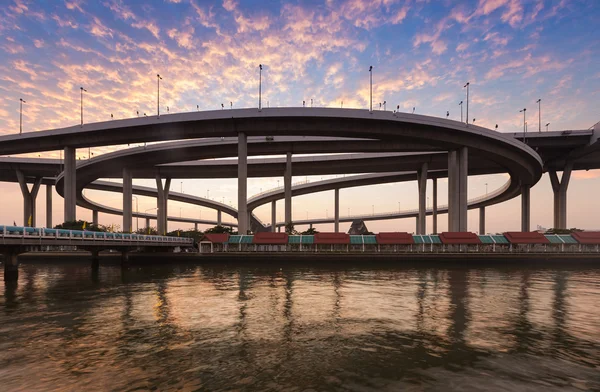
x=511, y=51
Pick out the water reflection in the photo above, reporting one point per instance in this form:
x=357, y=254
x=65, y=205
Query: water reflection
x=270, y=328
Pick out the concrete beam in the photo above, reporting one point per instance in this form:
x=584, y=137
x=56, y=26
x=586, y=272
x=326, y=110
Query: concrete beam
x=336, y=210
x=242, y=183
x=49, y=206
x=481, y=220
x=287, y=185
x=559, y=188
x=127, y=200
x=422, y=186
x=434, y=207
x=70, y=182
x=525, y=209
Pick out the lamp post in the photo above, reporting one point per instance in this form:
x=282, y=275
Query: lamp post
x=371, y=88
x=467, y=86
x=461, y=111
x=539, y=102
x=524, y=124
x=259, y=86
x=547, y=127
x=21, y=116
x=158, y=79
x=398, y=207
x=486, y=189
x=82, y=90
x=384, y=103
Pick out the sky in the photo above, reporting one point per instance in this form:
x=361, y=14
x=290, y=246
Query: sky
x=512, y=52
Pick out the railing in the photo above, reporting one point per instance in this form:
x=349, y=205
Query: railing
x=253, y=197
x=61, y=234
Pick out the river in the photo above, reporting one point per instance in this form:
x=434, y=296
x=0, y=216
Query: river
x=64, y=327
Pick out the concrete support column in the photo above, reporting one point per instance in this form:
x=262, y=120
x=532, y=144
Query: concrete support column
x=11, y=266
x=49, y=206
x=273, y=215
x=417, y=225
x=95, y=217
x=453, y=213
x=219, y=222
x=127, y=200
x=525, y=208
x=481, y=220
x=70, y=184
x=463, y=178
x=559, y=187
x=29, y=198
x=336, y=211
x=422, y=185
x=161, y=204
x=287, y=186
x=195, y=226
x=434, y=206
x=147, y=223
x=242, y=183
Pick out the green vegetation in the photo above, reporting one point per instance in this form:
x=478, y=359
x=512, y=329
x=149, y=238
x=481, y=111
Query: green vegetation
x=310, y=231
x=562, y=231
x=82, y=225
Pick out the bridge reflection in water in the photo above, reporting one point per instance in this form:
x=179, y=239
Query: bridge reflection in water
x=266, y=327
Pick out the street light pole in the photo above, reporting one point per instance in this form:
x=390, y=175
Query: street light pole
x=259, y=86
x=82, y=90
x=547, y=127
x=467, y=86
x=158, y=79
x=461, y=111
x=524, y=123
x=137, y=226
x=21, y=116
x=371, y=88
x=539, y=102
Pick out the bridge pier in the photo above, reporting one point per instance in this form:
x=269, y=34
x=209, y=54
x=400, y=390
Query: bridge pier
x=127, y=200
x=195, y=226
x=525, y=208
x=422, y=185
x=273, y=215
x=147, y=224
x=70, y=181
x=434, y=206
x=336, y=210
x=219, y=221
x=458, y=167
x=95, y=217
x=49, y=206
x=243, y=222
x=559, y=187
x=29, y=198
x=287, y=187
x=161, y=204
x=11, y=266
x=481, y=220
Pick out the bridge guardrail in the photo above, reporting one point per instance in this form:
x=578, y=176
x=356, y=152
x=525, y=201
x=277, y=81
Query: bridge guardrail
x=62, y=234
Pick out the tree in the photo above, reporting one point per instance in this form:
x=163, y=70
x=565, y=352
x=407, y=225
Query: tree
x=147, y=231
x=311, y=231
x=81, y=225
x=562, y=231
x=219, y=230
x=289, y=229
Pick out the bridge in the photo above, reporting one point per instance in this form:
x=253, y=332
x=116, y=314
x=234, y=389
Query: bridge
x=15, y=240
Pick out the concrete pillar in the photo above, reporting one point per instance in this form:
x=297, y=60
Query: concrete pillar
x=161, y=204
x=219, y=222
x=11, y=266
x=49, y=206
x=127, y=200
x=434, y=206
x=273, y=215
x=70, y=183
x=525, y=208
x=463, y=179
x=417, y=225
x=95, y=217
x=287, y=186
x=453, y=213
x=29, y=198
x=147, y=223
x=242, y=183
x=195, y=226
x=336, y=210
x=481, y=220
x=422, y=185
x=559, y=187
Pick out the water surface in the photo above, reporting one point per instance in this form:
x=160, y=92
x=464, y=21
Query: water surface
x=339, y=328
